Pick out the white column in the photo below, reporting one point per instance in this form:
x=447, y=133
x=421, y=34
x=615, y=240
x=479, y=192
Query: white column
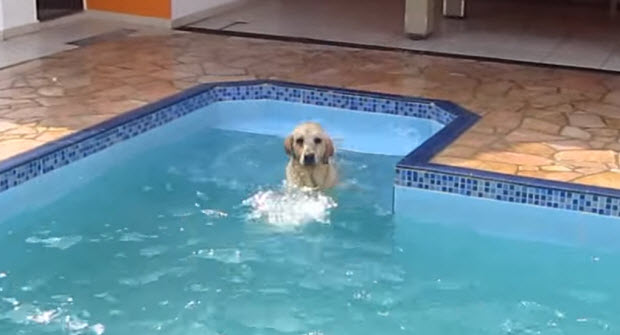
x=19, y=17
x=19, y=13
x=419, y=18
x=454, y=8
x=189, y=11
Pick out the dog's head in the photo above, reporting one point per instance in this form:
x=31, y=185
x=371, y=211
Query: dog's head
x=309, y=144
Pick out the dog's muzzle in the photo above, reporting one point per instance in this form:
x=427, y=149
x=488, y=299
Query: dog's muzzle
x=309, y=159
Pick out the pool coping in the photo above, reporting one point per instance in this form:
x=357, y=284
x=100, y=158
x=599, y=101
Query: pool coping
x=414, y=170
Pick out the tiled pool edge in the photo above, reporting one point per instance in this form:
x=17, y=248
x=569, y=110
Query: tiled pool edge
x=509, y=188
x=58, y=153
x=415, y=170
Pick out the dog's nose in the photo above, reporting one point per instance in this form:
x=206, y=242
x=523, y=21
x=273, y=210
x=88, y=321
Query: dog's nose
x=309, y=159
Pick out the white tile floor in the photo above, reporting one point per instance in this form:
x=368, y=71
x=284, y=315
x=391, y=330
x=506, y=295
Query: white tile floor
x=544, y=31
x=54, y=38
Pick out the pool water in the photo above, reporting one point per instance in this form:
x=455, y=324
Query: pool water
x=158, y=237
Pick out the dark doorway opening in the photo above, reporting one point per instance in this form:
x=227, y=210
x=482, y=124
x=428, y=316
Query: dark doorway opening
x=51, y=9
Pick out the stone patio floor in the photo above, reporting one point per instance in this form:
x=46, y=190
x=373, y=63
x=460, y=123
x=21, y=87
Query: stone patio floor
x=541, y=122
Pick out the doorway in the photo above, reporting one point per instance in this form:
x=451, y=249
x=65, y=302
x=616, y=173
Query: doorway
x=51, y=9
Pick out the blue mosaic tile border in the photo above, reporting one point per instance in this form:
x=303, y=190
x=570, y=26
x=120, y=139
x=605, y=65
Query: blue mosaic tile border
x=340, y=98
x=510, y=191
x=414, y=170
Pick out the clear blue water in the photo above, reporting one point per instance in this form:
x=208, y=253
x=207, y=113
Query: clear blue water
x=152, y=237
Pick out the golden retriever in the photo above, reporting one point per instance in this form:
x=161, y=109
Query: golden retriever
x=310, y=150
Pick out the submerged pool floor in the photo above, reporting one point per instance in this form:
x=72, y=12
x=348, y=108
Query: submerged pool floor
x=160, y=243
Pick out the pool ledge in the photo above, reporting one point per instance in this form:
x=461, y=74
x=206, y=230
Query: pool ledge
x=415, y=170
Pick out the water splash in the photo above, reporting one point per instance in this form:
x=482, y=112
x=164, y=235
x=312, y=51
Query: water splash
x=55, y=320
x=290, y=207
x=44, y=317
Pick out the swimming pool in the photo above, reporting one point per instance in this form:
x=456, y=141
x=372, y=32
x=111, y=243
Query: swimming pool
x=169, y=233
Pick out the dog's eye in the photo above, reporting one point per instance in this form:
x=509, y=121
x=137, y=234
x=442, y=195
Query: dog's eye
x=317, y=140
x=300, y=141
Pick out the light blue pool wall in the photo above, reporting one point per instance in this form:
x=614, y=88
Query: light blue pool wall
x=369, y=133
x=505, y=219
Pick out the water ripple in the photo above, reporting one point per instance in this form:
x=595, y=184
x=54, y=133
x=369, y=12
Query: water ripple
x=62, y=243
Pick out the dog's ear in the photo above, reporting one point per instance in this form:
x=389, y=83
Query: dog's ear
x=288, y=145
x=329, y=150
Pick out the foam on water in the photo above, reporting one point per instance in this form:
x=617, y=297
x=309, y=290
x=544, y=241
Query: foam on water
x=63, y=242
x=289, y=207
x=58, y=319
